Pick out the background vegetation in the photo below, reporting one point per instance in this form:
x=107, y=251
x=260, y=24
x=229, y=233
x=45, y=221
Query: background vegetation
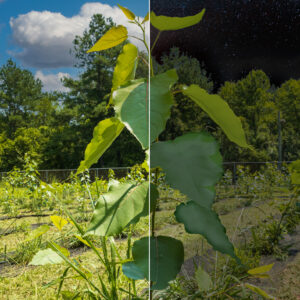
x=45, y=223
x=53, y=128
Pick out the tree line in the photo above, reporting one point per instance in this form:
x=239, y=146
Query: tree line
x=53, y=128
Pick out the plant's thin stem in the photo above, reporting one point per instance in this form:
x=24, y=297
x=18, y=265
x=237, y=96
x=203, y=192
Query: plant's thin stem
x=144, y=60
x=235, y=231
x=153, y=222
x=176, y=92
x=282, y=216
x=154, y=210
x=228, y=296
x=144, y=36
x=150, y=57
x=70, y=263
x=134, y=37
x=90, y=196
x=97, y=188
x=155, y=41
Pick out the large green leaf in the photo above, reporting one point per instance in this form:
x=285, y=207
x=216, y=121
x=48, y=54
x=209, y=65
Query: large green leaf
x=166, y=258
x=104, y=134
x=132, y=106
x=133, y=114
x=204, y=221
x=163, y=23
x=220, y=112
x=192, y=163
x=126, y=65
x=44, y=257
x=110, y=39
x=131, y=270
x=124, y=203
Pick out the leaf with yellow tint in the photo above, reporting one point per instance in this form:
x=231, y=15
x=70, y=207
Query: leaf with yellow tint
x=129, y=14
x=58, y=222
x=110, y=39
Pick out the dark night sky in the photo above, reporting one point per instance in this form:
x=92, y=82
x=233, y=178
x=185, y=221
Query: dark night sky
x=235, y=37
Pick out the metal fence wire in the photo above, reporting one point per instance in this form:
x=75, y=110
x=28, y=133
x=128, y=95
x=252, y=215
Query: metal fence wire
x=62, y=175
x=253, y=166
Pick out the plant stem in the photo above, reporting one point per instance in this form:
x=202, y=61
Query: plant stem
x=153, y=213
x=144, y=60
x=155, y=41
x=153, y=222
x=281, y=219
x=150, y=55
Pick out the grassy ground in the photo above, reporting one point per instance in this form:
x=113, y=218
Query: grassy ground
x=238, y=212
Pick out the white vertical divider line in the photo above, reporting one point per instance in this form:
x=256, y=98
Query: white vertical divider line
x=149, y=143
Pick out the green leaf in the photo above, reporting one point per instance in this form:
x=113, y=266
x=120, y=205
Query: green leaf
x=104, y=134
x=37, y=233
x=201, y=220
x=161, y=101
x=258, y=291
x=63, y=250
x=125, y=67
x=58, y=222
x=166, y=258
x=220, y=113
x=146, y=18
x=131, y=270
x=82, y=240
x=294, y=169
x=129, y=14
x=123, y=204
x=154, y=194
x=110, y=39
x=203, y=280
x=44, y=257
x=163, y=23
x=132, y=106
x=192, y=163
x=67, y=295
x=261, y=270
x=135, y=119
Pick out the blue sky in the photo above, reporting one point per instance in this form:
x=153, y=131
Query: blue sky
x=38, y=34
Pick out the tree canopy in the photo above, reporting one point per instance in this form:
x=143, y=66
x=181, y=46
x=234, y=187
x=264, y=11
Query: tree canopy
x=54, y=128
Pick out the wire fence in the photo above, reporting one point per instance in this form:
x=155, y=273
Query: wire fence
x=62, y=175
x=253, y=166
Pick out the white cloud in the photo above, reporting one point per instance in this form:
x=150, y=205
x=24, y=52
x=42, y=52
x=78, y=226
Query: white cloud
x=46, y=37
x=52, y=82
